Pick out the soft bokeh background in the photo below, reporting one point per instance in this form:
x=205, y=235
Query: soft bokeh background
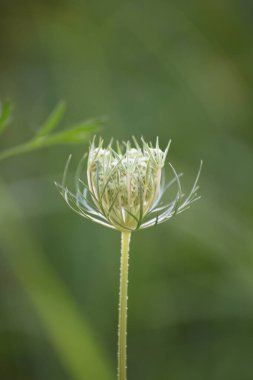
x=177, y=69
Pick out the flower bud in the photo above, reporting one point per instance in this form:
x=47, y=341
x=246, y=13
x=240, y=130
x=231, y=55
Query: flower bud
x=124, y=189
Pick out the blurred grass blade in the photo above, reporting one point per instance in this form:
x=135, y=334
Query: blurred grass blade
x=53, y=120
x=76, y=134
x=69, y=333
x=5, y=115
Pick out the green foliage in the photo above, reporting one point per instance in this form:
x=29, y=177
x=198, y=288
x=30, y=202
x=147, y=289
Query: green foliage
x=5, y=115
x=75, y=134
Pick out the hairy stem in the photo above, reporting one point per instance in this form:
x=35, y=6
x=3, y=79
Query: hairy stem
x=122, y=327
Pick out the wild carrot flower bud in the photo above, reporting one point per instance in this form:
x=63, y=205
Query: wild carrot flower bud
x=126, y=190
x=126, y=187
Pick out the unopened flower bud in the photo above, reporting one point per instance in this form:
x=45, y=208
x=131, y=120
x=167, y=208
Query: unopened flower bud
x=124, y=189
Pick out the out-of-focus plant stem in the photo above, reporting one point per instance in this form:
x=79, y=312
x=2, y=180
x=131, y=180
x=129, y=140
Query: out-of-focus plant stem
x=68, y=331
x=11, y=152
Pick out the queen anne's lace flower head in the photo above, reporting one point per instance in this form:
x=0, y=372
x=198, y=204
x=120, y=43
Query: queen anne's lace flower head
x=126, y=188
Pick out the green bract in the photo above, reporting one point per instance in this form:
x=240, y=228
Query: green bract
x=126, y=187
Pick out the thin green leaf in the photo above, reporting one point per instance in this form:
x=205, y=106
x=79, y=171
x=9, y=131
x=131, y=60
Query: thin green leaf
x=53, y=120
x=141, y=204
x=75, y=135
x=133, y=216
x=66, y=171
x=97, y=179
x=113, y=202
x=5, y=115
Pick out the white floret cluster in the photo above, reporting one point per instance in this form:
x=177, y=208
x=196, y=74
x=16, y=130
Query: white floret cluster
x=127, y=184
x=124, y=188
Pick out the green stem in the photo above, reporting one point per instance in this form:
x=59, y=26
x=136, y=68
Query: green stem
x=122, y=327
x=23, y=148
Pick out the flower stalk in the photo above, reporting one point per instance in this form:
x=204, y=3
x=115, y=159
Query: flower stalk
x=127, y=190
x=123, y=298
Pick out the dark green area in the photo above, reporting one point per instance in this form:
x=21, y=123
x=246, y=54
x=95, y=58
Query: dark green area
x=177, y=69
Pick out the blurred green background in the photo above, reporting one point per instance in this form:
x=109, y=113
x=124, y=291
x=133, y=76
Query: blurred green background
x=176, y=69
